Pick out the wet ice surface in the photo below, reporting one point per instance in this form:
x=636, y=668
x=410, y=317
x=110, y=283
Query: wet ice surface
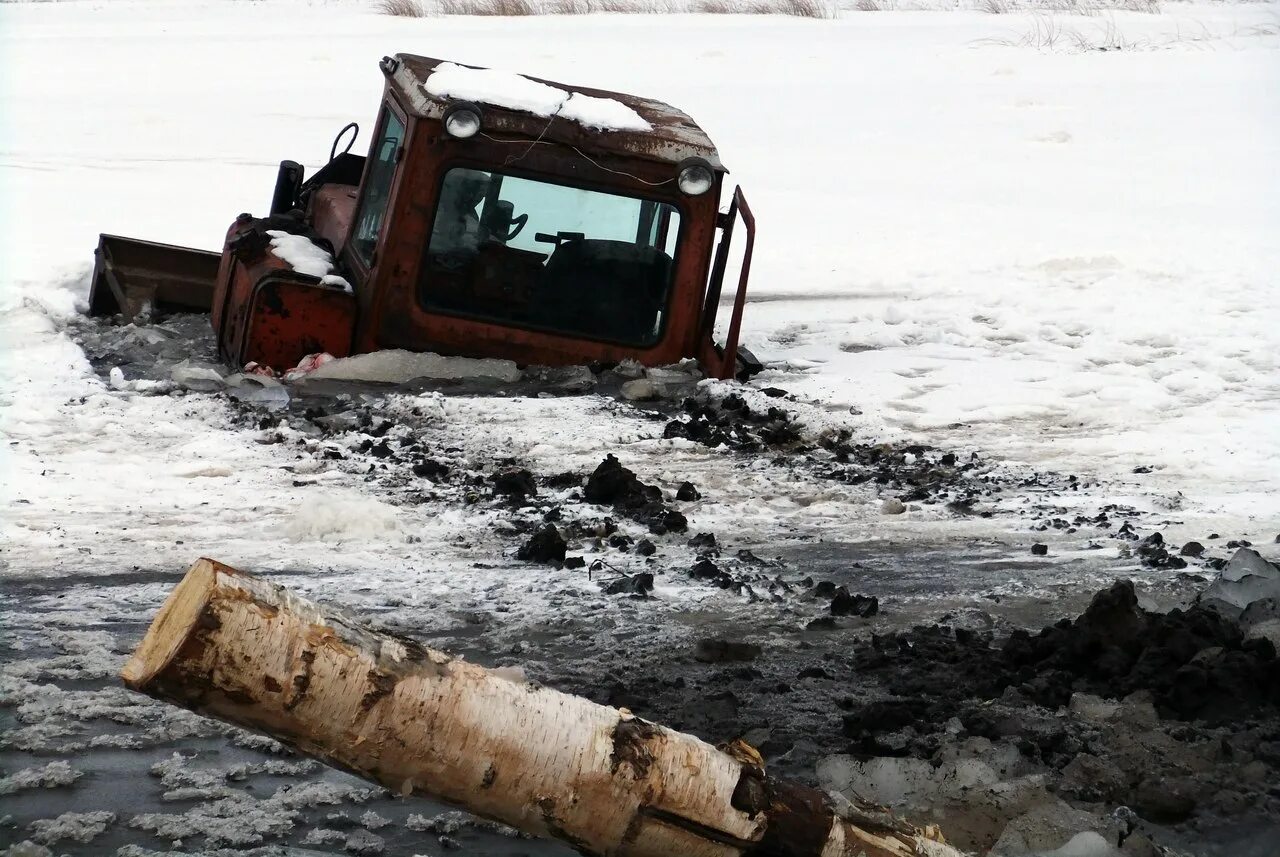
x=322, y=495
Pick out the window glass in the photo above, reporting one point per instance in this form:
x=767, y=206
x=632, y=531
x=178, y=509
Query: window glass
x=377, y=187
x=535, y=254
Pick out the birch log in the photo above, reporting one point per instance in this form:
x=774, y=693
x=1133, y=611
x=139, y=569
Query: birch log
x=231, y=646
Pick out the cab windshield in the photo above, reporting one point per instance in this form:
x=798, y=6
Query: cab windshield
x=531, y=253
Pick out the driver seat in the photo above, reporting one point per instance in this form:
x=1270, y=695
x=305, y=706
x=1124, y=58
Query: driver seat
x=607, y=289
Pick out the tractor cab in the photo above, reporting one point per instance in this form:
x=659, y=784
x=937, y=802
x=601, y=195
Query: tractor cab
x=495, y=215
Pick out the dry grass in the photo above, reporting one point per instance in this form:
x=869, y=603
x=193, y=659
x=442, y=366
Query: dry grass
x=1049, y=34
x=793, y=8
x=489, y=8
x=522, y=8
x=402, y=8
x=1088, y=8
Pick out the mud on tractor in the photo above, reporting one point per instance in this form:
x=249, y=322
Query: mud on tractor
x=494, y=216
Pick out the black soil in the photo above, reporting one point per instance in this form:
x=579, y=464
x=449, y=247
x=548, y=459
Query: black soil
x=1196, y=664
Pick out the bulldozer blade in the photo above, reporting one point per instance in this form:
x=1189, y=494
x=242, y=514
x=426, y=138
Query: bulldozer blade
x=133, y=278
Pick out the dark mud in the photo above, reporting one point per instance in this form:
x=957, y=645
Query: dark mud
x=1189, y=740
x=1193, y=663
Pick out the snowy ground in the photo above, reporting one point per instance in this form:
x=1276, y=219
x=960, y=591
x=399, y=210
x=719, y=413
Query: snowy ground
x=1061, y=259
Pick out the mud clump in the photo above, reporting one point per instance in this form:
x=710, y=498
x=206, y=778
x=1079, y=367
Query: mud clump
x=514, y=484
x=717, y=651
x=844, y=604
x=914, y=472
x=636, y=585
x=545, y=545
x=611, y=484
x=734, y=424
x=1196, y=664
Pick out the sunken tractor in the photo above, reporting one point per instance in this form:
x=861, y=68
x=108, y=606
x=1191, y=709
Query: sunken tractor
x=495, y=215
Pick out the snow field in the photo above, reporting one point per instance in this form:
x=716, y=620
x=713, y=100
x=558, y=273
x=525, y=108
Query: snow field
x=1056, y=257
x=1061, y=258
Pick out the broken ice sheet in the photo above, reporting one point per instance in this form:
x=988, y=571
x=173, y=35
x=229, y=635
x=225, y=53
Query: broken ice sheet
x=1245, y=579
x=77, y=826
x=51, y=776
x=396, y=366
x=196, y=377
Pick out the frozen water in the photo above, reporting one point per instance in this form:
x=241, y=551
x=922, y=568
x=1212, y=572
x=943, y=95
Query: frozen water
x=659, y=381
x=1246, y=562
x=27, y=848
x=78, y=826
x=373, y=821
x=1086, y=844
x=1247, y=578
x=51, y=776
x=199, y=378
x=1087, y=706
x=903, y=782
x=640, y=390
x=1052, y=826
x=273, y=397
x=338, y=518
x=395, y=366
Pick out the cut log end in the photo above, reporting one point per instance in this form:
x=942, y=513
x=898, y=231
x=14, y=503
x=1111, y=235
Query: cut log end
x=177, y=618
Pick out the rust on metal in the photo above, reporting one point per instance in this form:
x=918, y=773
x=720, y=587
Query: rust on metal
x=674, y=136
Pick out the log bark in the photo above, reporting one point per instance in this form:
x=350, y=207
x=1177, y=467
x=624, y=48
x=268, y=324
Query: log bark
x=232, y=646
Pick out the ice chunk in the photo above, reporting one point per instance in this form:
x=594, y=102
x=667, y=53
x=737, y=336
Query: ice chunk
x=1247, y=578
x=640, y=390
x=343, y=518
x=272, y=396
x=80, y=826
x=1055, y=828
x=27, y=848
x=903, y=782
x=51, y=776
x=603, y=113
x=629, y=368
x=1086, y=706
x=364, y=842
x=1246, y=562
x=372, y=821
x=684, y=372
x=570, y=379
x=1086, y=844
x=193, y=376
x=396, y=366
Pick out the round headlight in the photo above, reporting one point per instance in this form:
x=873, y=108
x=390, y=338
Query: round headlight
x=462, y=120
x=695, y=177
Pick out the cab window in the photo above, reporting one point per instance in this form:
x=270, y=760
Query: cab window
x=537, y=254
x=374, y=196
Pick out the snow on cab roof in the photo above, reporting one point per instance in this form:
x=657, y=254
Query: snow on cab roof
x=592, y=119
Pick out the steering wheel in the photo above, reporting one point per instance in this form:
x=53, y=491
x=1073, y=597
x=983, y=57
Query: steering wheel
x=350, y=126
x=518, y=224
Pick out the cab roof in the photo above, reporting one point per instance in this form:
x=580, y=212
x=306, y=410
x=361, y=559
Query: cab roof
x=671, y=138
